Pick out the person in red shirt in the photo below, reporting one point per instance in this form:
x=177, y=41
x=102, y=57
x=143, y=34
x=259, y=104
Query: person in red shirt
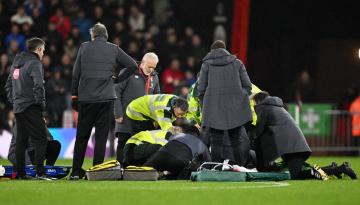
x=172, y=77
x=62, y=22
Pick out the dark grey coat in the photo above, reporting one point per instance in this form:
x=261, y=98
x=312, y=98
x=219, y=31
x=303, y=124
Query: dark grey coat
x=130, y=89
x=96, y=63
x=25, y=84
x=276, y=131
x=224, y=89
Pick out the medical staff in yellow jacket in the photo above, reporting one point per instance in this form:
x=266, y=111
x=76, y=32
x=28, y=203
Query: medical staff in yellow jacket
x=194, y=113
x=143, y=145
x=254, y=90
x=161, y=108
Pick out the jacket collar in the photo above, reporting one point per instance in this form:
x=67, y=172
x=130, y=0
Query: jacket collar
x=100, y=38
x=34, y=54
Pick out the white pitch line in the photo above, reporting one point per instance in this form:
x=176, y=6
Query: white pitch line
x=259, y=185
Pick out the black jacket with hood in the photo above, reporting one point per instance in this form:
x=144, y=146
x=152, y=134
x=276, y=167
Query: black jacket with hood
x=25, y=84
x=224, y=89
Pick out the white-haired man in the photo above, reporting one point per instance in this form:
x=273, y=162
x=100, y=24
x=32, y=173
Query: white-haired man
x=97, y=62
x=143, y=82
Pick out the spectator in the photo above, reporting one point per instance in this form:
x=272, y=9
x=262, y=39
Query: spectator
x=172, y=77
x=197, y=49
x=171, y=48
x=70, y=49
x=46, y=61
x=121, y=32
x=120, y=14
x=189, y=78
x=21, y=17
x=75, y=35
x=303, y=88
x=31, y=5
x=62, y=23
x=53, y=37
x=187, y=41
x=16, y=36
x=100, y=17
x=4, y=21
x=117, y=41
x=134, y=50
x=51, y=7
x=72, y=8
x=84, y=24
x=55, y=92
x=136, y=19
x=4, y=73
x=26, y=30
x=191, y=65
x=66, y=68
x=38, y=29
x=13, y=50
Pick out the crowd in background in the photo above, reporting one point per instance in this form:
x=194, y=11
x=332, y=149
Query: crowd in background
x=137, y=26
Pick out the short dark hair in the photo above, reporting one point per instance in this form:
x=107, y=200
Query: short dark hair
x=259, y=97
x=218, y=44
x=33, y=43
x=182, y=104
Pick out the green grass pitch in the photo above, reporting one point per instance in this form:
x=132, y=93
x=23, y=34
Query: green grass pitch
x=312, y=192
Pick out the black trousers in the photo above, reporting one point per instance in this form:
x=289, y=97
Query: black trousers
x=30, y=123
x=163, y=161
x=239, y=142
x=52, y=152
x=138, y=154
x=138, y=126
x=91, y=114
x=122, y=138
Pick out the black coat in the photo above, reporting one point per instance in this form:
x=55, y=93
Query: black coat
x=224, y=89
x=127, y=91
x=96, y=63
x=25, y=84
x=277, y=132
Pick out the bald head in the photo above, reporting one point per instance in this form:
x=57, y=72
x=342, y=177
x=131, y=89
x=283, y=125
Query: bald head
x=149, y=63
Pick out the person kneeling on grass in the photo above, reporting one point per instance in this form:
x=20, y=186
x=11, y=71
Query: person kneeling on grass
x=277, y=135
x=181, y=153
x=141, y=146
x=53, y=148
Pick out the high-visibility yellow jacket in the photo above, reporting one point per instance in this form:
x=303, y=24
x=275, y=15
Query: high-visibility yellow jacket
x=156, y=107
x=254, y=90
x=194, y=113
x=152, y=137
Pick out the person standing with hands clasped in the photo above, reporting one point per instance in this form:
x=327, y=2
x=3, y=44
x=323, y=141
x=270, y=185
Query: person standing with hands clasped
x=224, y=89
x=25, y=91
x=97, y=62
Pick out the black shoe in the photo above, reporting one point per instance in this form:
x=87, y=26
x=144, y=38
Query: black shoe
x=334, y=165
x=347, y=170
x=25, y=177
x=81, y=174
x=44, y=177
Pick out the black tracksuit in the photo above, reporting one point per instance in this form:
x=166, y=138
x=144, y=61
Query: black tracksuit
x=25, y=90
x=96, y=63
x=178, y=153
